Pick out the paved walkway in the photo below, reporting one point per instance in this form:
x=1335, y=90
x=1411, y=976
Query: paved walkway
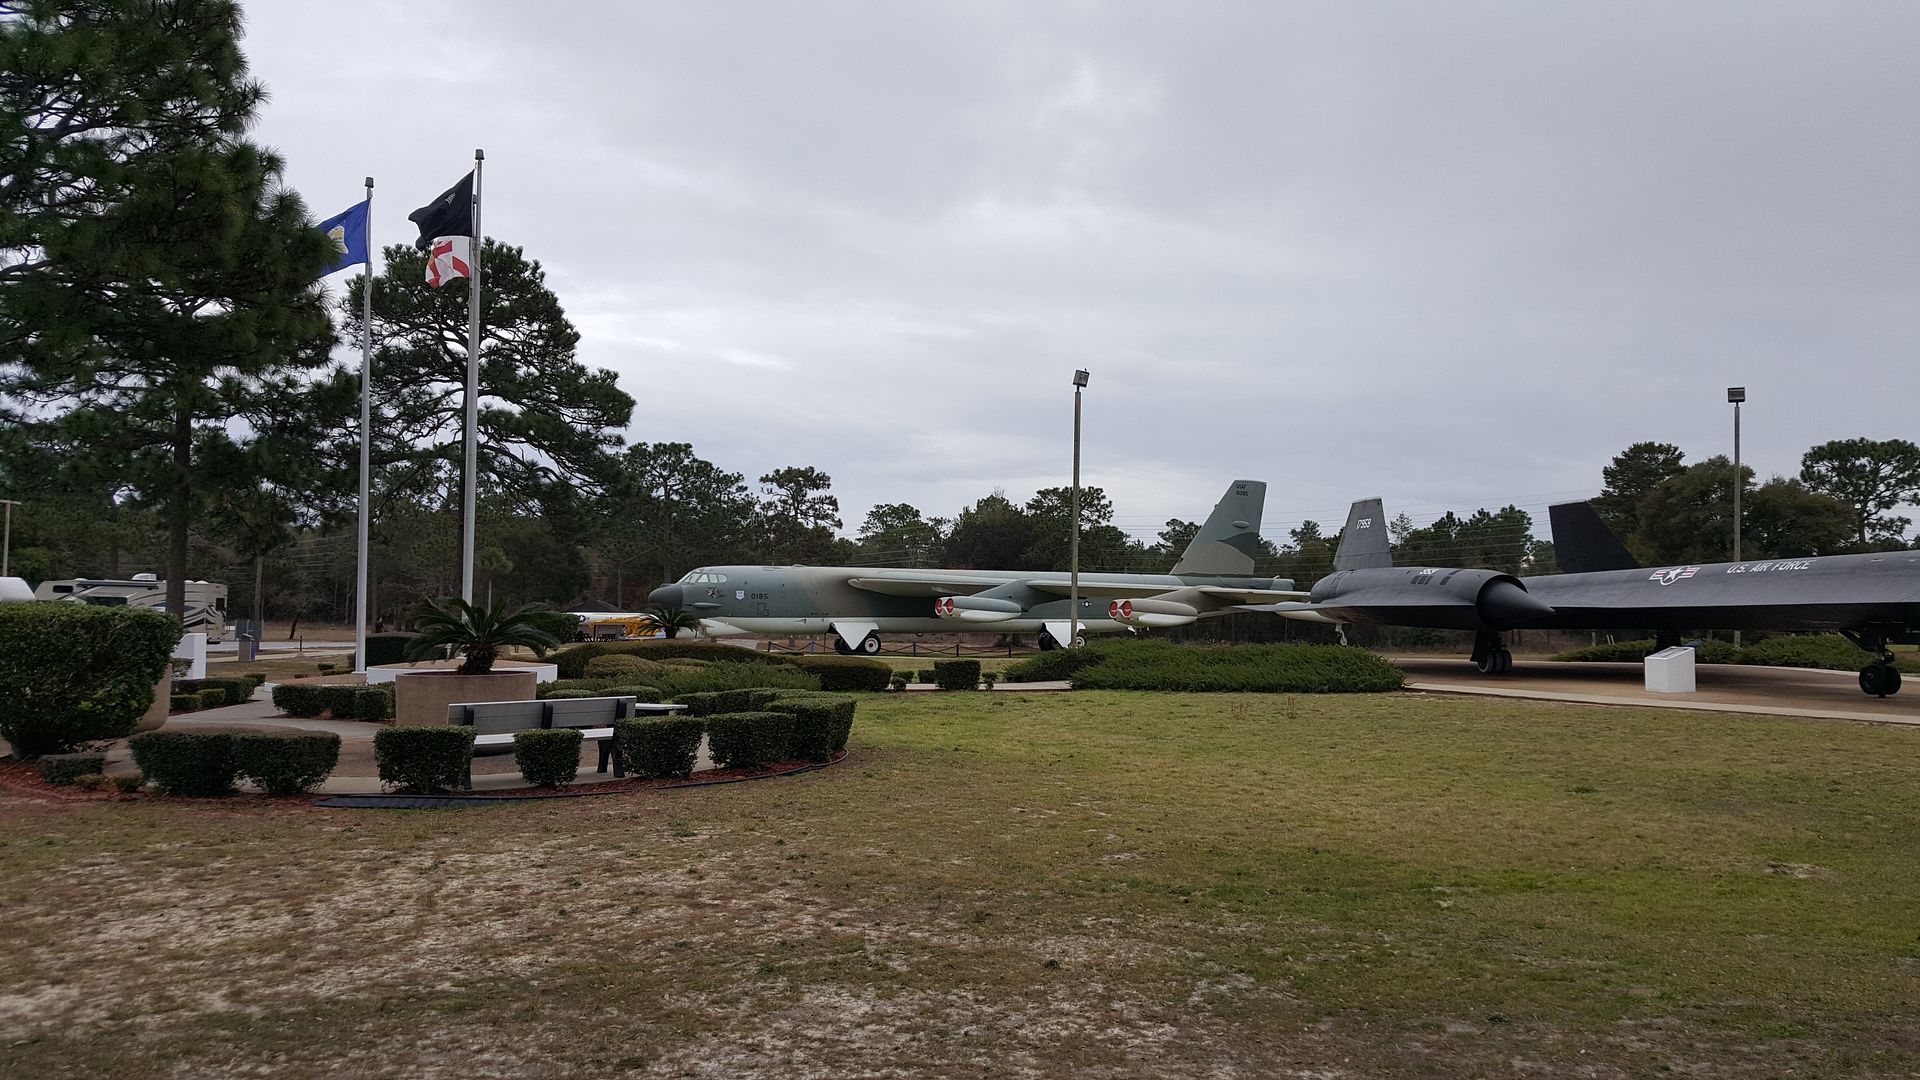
x=1759, y=691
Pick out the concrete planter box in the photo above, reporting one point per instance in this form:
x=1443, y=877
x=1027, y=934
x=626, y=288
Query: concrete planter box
x=156, y=713
x=386, y=673
x=422, y=697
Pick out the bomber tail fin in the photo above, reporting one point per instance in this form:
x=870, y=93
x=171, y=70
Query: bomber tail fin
x=1228, y=542
x=1582, y=543
x=1363, y=543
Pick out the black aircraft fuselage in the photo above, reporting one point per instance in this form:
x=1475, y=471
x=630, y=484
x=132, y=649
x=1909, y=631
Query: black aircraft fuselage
x=1875, y=597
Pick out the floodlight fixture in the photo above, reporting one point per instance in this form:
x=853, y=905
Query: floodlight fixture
x=1736, y=394
x=1080, y=377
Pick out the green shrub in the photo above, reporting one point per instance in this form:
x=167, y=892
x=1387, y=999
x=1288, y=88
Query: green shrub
x=92, y=781
x=388, y=648
x=1059, y=664
x=1633, y=652
x=127, y=783
x=72, y=674
x=238, y=688
x=566, y=693
x=190, y=763
x=344, y=702
x=66, y=768
x=956, y=674
x=182, y=702
x=924, y=676
x=733, y=677
x=715, y=702
x=424, y=758
x=572, y=660
x=286, y=764
x=653, y=746
x=897, y=682
x=212, y=697
x=619, y=666
x=844, y=673
x=563, y=625
x=821, y=723
x=548, y=757
x=637, y=692
x=749, y=740
x=1830, y=651
x=988, y=678
x=1293, y=669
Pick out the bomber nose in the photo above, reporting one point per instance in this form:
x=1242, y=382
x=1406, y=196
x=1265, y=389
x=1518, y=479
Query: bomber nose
x=666, y=596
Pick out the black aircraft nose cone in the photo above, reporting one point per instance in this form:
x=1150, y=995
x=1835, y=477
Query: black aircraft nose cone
x=1507, y=603
x=666, y=596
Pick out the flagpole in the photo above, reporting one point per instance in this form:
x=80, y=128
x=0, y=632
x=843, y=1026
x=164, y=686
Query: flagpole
x=366, y=438
x=468, y=498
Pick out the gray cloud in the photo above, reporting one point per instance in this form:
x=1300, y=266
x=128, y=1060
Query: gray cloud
x=1456, y=255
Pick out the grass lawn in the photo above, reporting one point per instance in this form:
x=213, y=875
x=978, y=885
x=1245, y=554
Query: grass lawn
x=1012, y=885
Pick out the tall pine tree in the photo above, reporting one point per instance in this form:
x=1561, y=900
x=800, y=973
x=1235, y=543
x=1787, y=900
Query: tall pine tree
x=159, y=302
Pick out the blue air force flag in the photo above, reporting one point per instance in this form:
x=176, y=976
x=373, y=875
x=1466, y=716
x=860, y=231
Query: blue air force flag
x=348, y=231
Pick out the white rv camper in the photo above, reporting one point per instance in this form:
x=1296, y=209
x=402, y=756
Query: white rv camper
x=206, y=600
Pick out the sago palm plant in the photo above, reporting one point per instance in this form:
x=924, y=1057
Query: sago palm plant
x=476, y=633
x=672, y=620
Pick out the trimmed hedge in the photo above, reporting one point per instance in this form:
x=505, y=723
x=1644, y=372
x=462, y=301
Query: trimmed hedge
x=346, y=702
x=424, y=758
x=238, y=688
x=212, y=697
x=1830, y=651
x=749, y=740
x=655, y=746
x=66, y=768
x=844, y=673
x=388, y=648
x=72, y=674
x=548, y=757
x=1292, y=669
x=638, y=693
x=572, y=660
x=286, y=764
x=924, y=676
x=1633, y=652
x=192, y=763
x=956, y=674
x=821, y=723
x=629, y=668
x=715, y=702
x=1056, y=664
x=182, y=702
x=565, y=693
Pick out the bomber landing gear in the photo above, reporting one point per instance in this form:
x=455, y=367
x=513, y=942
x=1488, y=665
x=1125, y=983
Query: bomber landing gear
x=1490, y=654
x=1880, y=678
x=869, y=646
x=1046, y=642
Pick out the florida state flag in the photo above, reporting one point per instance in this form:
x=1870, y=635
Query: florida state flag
x=450, y=257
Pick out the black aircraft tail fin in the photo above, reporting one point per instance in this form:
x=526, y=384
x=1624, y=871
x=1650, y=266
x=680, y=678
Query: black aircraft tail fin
x=1582, y=543
x=1363, y=543
x=1227, y=543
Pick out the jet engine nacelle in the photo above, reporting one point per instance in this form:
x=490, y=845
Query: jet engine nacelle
x=1151, y=613
x=975, y=609
x=1500, y=601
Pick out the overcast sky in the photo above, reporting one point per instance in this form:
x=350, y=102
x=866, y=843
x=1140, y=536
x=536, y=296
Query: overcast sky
x=1456, y=254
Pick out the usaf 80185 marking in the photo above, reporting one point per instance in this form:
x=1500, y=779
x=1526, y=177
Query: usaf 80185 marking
x=859, y=604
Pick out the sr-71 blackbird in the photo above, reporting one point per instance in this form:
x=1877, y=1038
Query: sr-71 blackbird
x=1873, y=599
x=858, y=604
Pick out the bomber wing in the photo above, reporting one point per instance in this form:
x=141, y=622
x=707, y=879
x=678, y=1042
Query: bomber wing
x=927, y=583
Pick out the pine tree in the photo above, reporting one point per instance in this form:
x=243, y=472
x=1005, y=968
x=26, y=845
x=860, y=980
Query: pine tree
x=158, y=285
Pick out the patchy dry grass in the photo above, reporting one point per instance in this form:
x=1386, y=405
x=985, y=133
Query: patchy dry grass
x=1024, y=885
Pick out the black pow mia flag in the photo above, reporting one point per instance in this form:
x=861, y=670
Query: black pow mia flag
x=449, y=215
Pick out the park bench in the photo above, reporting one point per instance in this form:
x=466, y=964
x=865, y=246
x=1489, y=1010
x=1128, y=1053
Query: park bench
x=494, y=722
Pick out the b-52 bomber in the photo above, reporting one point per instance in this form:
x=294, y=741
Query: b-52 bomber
x=1872, y=599
x=859, y=604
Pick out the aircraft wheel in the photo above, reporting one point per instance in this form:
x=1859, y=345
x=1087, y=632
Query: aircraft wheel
x=870, y=644
x=1503, y=661
x=1880, y=680
x=1487, y=663
x=1079, y=640
x=840, y=646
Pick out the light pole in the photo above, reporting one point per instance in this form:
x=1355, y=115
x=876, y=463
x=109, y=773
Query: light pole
x=1073, y=545
x=1736, y=395
x=6, y=544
